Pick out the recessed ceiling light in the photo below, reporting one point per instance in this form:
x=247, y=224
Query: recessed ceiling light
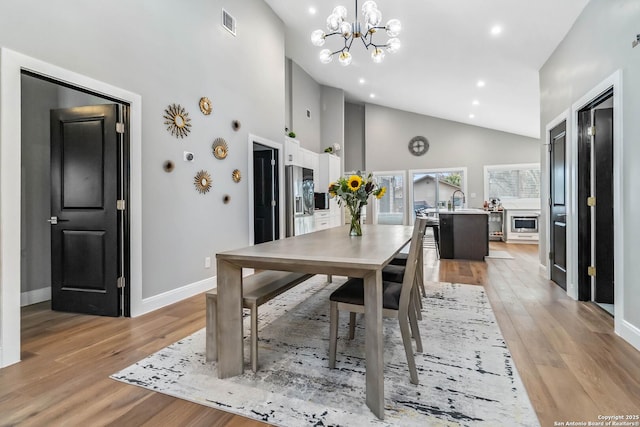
x=480, y=83
x=495, y=30
x=361, y=81
x=471, y=116
x=312, y=10
x=372, y=95
x=475, y=102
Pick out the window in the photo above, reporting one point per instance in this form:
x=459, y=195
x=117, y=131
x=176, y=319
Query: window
x=432, y=189
x=390, y=209
x=512, y=181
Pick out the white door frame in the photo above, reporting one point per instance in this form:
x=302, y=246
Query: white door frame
x=615, y=81
x=11, y=65
x=280, y=147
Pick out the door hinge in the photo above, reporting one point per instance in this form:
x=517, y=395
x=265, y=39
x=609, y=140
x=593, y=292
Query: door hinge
x=273, y=162
x=550, y=201
x=273, y=203
x=119, y=127
x=591, y=130
x=121, y=282
x=550, y=255
x=591, y=201
x=121, y=205
x=591, y=271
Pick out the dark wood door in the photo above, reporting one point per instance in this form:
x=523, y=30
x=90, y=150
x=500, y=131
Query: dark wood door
x=596, y=257
x=558, y=243
x=84, y=224
x=264, y=196
x=603, y=248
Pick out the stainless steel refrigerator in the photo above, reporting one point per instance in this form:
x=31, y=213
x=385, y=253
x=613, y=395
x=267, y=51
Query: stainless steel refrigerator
x=299, y=200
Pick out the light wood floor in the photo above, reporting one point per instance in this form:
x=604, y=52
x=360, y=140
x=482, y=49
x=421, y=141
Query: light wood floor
x=572, y=364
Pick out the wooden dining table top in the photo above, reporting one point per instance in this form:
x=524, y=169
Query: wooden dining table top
x=329, y=251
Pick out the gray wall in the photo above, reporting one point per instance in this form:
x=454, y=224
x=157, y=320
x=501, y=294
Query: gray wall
x=38, y=97
x=170, y=54
x=306, y=94
x=452, y=144
x=332, y=120
x=354, y=148
x=599, y=44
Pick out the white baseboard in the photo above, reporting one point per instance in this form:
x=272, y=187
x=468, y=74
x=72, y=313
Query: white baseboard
x=167, y=298
x=35, y=296
x=542, y=269
x=629, y=333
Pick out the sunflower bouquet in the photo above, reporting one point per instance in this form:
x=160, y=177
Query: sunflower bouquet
x=354, y=192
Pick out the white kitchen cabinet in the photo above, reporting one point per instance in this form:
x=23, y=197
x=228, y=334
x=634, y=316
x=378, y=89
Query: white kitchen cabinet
x=321, y=220
x=292, y=155
x=329, y=170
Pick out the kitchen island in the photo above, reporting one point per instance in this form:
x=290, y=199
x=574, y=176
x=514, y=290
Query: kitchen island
x=464, y=234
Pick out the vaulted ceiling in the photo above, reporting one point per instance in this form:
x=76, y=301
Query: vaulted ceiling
x=447, y=47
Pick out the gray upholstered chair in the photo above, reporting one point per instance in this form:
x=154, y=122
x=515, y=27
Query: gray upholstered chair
x=397, y=303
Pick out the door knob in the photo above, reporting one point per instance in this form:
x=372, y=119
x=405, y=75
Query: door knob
x=54, y=220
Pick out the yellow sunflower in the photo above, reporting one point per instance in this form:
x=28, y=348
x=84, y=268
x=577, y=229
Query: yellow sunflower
x=355, y=182
x=332, y=190
x=381, y=192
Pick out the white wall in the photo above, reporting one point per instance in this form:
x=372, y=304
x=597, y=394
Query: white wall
x=598, y=44
x=170, y=54
x=452, y=144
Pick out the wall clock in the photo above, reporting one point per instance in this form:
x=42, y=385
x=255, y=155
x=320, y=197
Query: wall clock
x=418, y=145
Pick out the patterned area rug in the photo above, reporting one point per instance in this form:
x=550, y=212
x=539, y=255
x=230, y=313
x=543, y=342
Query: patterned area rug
x=467, y=376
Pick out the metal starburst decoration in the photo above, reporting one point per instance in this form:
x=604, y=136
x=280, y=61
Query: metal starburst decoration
x=202, y=181
x=177, y=120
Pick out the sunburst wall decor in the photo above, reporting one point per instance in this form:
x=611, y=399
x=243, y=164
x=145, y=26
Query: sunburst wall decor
x=177, y=120
x=202, y=181
x=205, y=106
x=236, y=175
x=220, y=148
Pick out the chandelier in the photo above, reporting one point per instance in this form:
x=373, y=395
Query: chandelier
x=337, y=25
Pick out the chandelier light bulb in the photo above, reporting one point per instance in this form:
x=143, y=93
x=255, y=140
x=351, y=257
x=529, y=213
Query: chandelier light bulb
x=393, y=27
x=345, y=58
x=317, y=37
x=345, y=29
x=377, y=55
x=326, y=56
x=340, y=12
x=393, y=45
x=369, y=6
x=373, y=18
x=333, y=22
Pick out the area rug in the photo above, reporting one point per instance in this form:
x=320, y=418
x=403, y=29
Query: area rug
x=500, y=255
x=467, y=376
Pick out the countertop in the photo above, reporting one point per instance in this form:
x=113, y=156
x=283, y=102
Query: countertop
x=465, y=212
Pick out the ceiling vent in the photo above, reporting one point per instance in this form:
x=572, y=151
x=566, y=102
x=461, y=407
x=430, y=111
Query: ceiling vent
x=228, y=22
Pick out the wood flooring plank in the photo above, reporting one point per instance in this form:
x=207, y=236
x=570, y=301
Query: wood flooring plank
x=572, y=364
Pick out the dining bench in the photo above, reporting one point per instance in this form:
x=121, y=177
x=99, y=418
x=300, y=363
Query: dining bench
x=257, y=289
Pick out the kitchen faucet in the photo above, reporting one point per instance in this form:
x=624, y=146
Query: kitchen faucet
x=453, y=199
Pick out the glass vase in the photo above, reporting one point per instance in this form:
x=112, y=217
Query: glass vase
x=355, y=228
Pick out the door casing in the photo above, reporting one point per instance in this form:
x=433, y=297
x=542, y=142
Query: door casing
x=280, y=147
x=12, y=64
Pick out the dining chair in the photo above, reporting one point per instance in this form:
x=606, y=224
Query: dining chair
x=397, y=303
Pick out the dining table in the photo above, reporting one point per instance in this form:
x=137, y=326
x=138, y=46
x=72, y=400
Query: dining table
x=331, y=251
